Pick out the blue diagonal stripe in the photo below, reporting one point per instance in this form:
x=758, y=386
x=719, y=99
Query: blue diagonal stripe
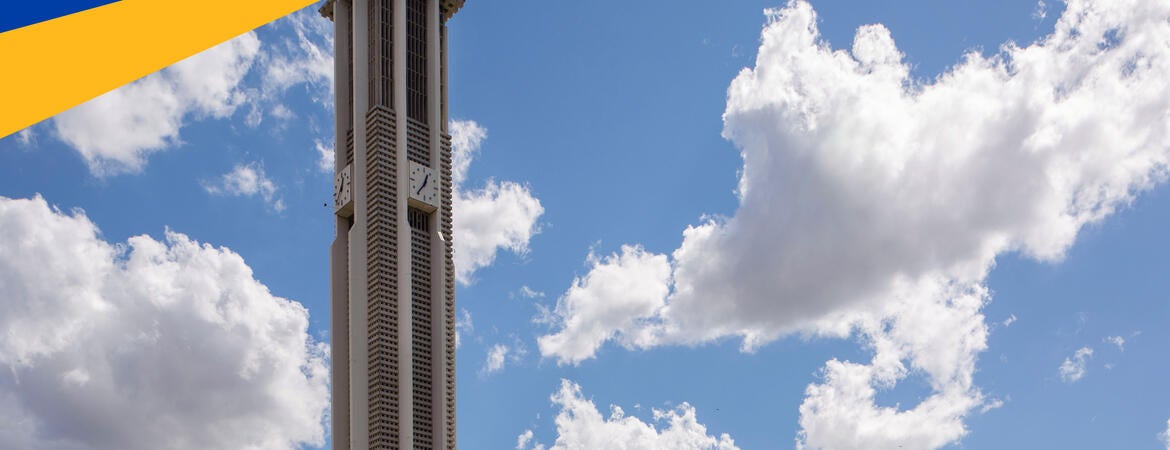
x=22, y=13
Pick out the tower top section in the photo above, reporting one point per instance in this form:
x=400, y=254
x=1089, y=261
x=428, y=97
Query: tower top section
x=447, y=7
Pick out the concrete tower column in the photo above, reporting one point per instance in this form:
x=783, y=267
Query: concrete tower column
x=405, y=364
x=339, y=251
x=359, y=424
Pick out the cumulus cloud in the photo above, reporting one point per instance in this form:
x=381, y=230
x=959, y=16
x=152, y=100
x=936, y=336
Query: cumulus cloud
x=501, y=215
x=863, y=189
x=116, y=131
x=146, y=344
x=247, y=180
x=937, y=329
x=1073, y=368
x=581, y=425
x=606, y=304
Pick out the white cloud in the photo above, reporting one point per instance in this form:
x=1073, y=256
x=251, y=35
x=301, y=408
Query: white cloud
x=523, y=439
x=580, y=425
x=1041, y=10
x=116, y=131
x=325, y=156
x=146, y=344
x=500, y=354
x=857, y=178
x=26, y=137
x=501, y=215
x=527, y=292
x=307, y=59
x=862, y=188
x=495, y=358
x=1073, y=368
x=939, y=331
x=247, y=180
x=606, y=303
x=1009, y=321
x=1165, y=435
x=463, y=326
x=1116, y=340
x=466, y=138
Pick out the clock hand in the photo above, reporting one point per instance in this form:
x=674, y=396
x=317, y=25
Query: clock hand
x=424, y=184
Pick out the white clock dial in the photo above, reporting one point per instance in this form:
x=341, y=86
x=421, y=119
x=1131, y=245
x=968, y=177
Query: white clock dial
x=343, y=192
x=424, y=185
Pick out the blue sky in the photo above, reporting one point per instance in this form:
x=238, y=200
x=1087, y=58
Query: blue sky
x=745, y=224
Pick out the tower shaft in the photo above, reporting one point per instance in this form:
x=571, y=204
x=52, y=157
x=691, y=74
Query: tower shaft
x=392, y=274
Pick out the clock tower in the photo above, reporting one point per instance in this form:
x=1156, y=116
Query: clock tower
x=392, y=275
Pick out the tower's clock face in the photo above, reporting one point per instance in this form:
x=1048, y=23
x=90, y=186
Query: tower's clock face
x=424, y=184
x=343, y=192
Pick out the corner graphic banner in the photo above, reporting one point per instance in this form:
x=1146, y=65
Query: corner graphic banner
x=59, y=54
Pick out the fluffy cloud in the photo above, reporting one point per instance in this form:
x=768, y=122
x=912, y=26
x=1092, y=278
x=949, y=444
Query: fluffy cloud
x=857, y=178
x=523, y=439
x=606, y=304
x=247, y=180
x=581, y=425
x=116, y=131
x=1073, y=368
x=937, y=329
x=146, y=344
x=501, y=215
x=866, y=195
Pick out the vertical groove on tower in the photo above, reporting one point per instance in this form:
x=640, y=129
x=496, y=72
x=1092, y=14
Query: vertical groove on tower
x=349, y=147
x=416, y=60
x=420, y=254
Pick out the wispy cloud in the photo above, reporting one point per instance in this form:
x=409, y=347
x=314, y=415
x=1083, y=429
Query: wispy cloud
x=247, y=180
x=1073, y=368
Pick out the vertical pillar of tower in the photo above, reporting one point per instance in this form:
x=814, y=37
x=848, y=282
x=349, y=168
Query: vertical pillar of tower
x=405, y=363
x=359, y=424
x=339, y=251
x=447, y=233
x=439, y=292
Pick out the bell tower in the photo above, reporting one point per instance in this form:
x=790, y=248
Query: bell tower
x=392, y=274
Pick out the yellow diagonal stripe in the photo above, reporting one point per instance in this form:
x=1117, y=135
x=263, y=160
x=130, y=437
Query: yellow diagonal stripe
x=55, y=65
